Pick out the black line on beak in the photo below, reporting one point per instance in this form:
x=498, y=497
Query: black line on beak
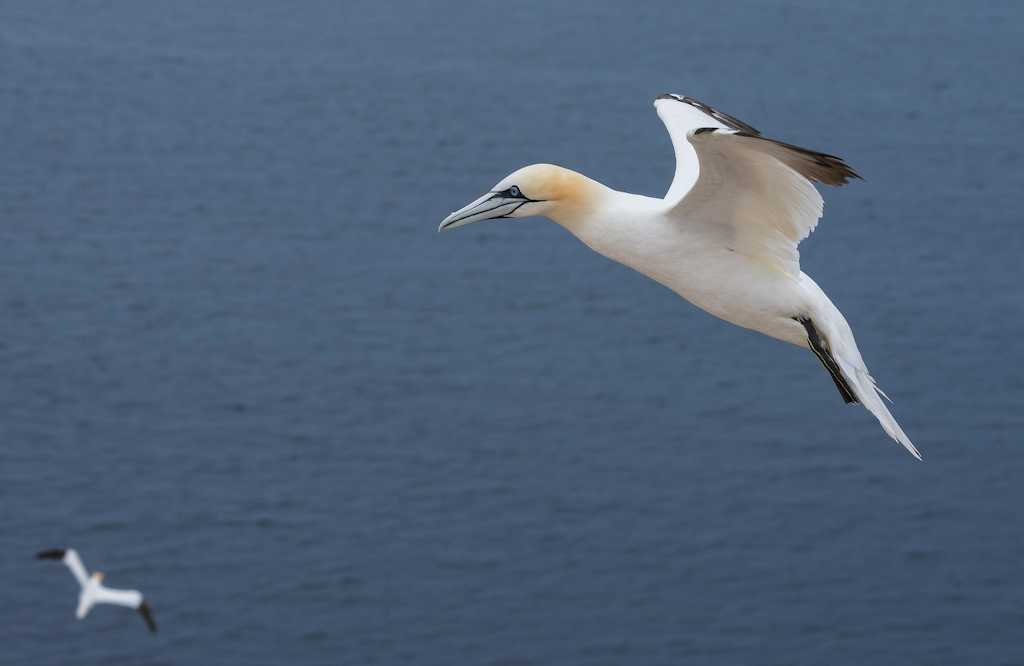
x=509, y=214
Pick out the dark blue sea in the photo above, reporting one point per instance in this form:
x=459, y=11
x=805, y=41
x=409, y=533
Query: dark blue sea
x=242, y=372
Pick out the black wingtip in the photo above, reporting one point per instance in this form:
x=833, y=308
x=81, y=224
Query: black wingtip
x=51, y=554
x=147, y=615
x=814, y=165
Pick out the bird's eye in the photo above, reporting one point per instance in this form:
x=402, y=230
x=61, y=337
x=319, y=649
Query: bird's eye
x=514, y=191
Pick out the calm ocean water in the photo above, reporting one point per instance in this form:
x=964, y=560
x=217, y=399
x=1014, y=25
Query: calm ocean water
x=242, y=371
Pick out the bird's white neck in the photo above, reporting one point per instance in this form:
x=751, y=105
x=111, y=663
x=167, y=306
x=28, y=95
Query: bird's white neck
x=588, y=200
x=601, y=217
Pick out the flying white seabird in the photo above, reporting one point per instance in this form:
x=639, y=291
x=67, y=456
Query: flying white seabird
x=724, y=237
x=94, y=592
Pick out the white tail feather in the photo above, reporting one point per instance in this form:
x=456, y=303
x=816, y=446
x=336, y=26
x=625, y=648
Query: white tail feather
x=869, y=394
x=847, y=356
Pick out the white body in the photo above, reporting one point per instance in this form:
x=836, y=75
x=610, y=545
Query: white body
x=645, y=234
x=640, y=232
x=95, y=592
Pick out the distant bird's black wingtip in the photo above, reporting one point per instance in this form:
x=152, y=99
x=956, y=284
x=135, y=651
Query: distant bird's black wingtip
x=147, y=615
x=51, y=554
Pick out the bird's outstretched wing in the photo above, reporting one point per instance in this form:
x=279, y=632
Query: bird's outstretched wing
x=681, y=116
x=147, y=614
x=754, y=193
x=128, y=598
x=74, y=563
x=70, y=558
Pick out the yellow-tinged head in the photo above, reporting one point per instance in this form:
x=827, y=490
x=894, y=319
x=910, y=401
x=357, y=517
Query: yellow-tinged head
x=538, y=189
x=97, y=576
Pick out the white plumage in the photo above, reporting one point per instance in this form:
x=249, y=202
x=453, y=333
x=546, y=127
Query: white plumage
x=93, y=591
x=724, y=237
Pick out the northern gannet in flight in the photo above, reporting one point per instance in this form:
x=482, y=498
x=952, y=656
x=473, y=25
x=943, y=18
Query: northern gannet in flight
x=94, y=592
x=724, y=237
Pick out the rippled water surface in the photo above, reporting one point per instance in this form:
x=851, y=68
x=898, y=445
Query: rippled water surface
x=242, y=372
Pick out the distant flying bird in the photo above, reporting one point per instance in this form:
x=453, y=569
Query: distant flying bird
x=724, y=237
x=94, y=592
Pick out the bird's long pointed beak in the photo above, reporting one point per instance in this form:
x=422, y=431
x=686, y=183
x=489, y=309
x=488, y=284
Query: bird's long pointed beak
x=488, y=207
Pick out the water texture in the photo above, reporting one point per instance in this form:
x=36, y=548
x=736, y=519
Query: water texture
x=242, y=371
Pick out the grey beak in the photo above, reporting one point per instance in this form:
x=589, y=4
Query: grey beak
x=488, y=207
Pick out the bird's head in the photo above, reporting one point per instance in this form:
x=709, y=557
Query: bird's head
x=538, y=189
x=97, y=576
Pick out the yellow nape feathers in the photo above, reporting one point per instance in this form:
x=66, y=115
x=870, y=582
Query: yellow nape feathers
x=566, y=192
